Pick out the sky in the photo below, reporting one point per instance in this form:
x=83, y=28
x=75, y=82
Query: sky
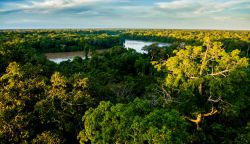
x=166, y=14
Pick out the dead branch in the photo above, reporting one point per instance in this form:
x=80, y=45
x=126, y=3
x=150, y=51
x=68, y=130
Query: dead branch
x=193, y=77
x=165, y=92
x=204, y=62
x=218, y=100
x=215, y=101
x=220, y=73
x=167, y=96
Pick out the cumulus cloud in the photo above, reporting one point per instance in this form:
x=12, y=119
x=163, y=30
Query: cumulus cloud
x=59, y=4
x=176, y=4
x=127, y=13
x=46, y=6
x=203, y=6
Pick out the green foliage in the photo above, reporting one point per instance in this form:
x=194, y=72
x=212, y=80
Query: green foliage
x=29, y=105
x=201, y=74
x=230, y=39
x=44, y=102
x=52, y=41
x=63, y=107
x=244, y=137
x=17, y=95
x=136, y=122
x=47, y=137
x=208, y=82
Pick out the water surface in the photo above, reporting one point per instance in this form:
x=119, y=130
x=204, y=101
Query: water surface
x=138, y=44
x=64, y=56
x=134, y=44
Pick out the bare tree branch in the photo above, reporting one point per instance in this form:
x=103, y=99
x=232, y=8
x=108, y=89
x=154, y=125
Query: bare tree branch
x=165, y=92
x=220, y=73
x=212, y=100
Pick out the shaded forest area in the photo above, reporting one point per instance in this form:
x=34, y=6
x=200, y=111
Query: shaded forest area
x=194, y=91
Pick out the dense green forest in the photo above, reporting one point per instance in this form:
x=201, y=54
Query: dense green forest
x=195, y=91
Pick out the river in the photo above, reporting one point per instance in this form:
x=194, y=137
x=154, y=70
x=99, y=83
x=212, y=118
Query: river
x=134, y=44
x=138, y=45
x=63, y=56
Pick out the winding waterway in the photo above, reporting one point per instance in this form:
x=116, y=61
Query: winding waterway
x=134, y=44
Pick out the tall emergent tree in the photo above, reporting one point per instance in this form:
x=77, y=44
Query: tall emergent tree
x=206, y=80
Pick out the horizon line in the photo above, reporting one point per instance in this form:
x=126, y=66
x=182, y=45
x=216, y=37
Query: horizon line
x=99, y=28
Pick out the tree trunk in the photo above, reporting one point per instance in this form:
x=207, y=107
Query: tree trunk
x=200, y=89
x=247, y=49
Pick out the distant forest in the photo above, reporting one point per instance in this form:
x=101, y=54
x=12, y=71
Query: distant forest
x=197, y=90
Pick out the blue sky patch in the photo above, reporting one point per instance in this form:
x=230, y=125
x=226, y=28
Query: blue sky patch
x=181, y=14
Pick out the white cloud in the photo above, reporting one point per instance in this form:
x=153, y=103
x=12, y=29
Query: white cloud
x=88, y=12
x=176, y=4
x=16, y=21
x=127, y=13
x=58, y=4
x=201, y=7
x=46, y=6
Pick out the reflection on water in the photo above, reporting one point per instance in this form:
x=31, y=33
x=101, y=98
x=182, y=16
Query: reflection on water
x=64, y=56
x=138, y=45
x=134, y=44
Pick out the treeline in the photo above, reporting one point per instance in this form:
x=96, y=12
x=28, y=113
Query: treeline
x=178, y=94
x=64, y=41
x=231, y=39
x=92, y=39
